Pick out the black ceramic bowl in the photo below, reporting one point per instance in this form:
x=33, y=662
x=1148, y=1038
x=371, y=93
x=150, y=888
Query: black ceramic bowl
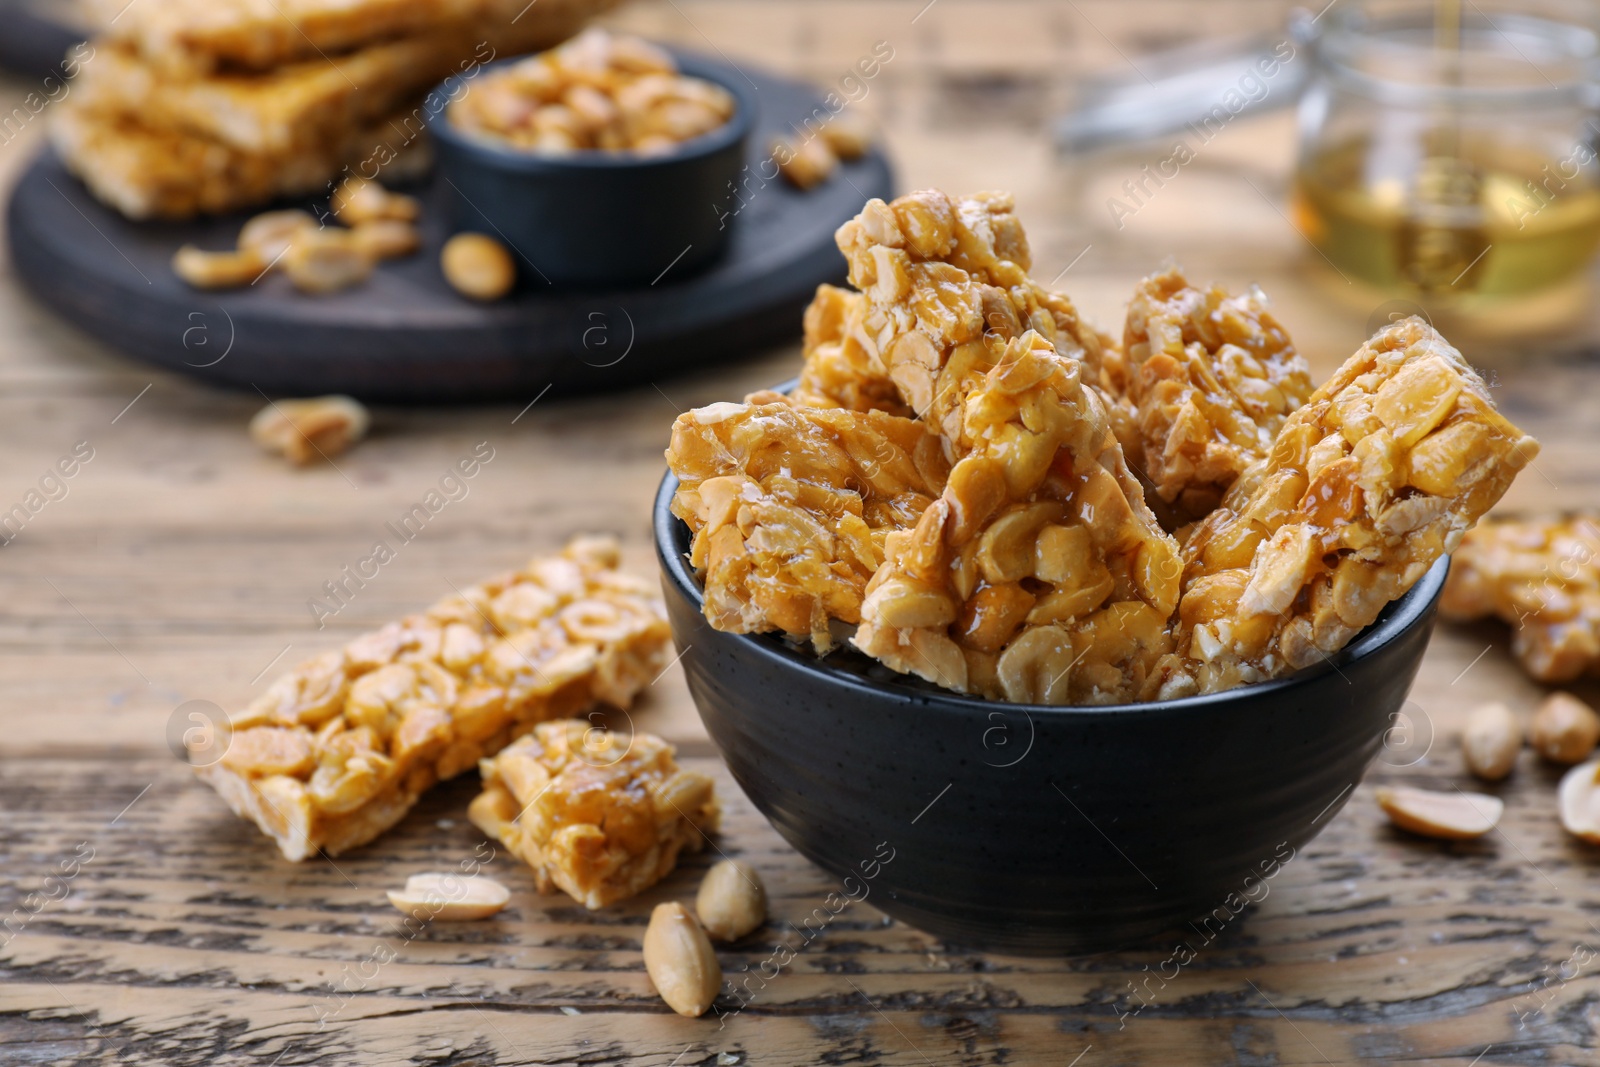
x=1032, y=829
x=598, y=218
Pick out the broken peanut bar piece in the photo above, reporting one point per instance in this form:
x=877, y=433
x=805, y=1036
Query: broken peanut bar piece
x=1212, y=378
x=789, y=507
x=594, y=813
x=940, y=275
x=840, y=366
x=1039, y=576
x=338, y=750
x=1542, y=577
x=1376, y=477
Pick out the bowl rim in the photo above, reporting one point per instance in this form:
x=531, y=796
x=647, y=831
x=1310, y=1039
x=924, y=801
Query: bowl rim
x=1411, y=609
x=488, y=153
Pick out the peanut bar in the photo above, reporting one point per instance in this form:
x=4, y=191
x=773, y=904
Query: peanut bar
x=1212, y=378
x=1377, y=476
x=839, y=362
x=185, y=38
x=339, y=749
x=596, y=815
x=789, y=507
x=1039, y=576
x=939, y=275
x=1542, y=577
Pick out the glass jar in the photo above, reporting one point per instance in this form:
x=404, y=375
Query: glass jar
x=1448, y=148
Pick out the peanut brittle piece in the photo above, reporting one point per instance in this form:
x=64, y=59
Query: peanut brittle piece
x=941, y=274
x=303, y=105
x=1039, y=576
x=184, y=38
x=598, y=815
x=1212, y=378
x=145, y=172
x=338, y=750
x=840, y=366
x=1380, y=473
x=1542, y=577
x=789, y=507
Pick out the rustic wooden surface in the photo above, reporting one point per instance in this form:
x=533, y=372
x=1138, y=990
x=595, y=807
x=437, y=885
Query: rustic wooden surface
x=179, y=563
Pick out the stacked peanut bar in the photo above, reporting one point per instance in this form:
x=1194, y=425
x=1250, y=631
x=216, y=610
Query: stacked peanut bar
x=195, y=106
x=1036, y=571
x=340, y=748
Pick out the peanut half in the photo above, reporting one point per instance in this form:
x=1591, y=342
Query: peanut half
x=451, y=897
x=1453, y=816
x=679, y=959
x=1580, y=801
x=477, y=266
x=303, y=430
x=217, y=270
x=1565, y=729
x=1491, y=740
x=732, y=901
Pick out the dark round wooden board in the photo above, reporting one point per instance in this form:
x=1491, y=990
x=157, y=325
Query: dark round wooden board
x=404, y=335
x=35, y=37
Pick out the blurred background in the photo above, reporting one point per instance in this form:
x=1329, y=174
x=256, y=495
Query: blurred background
x=1130, y=132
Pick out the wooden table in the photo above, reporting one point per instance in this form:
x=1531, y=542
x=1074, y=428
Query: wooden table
x=179, y=564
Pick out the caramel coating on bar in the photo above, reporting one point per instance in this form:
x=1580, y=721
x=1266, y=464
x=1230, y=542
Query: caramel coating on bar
x=1039, y=576
x=337, y=750
x=940, y=273
x=840, y=367
x=789, y=507
x=1376, y=477
x=599, y=815
x=1542, y=577
x=1212, y=378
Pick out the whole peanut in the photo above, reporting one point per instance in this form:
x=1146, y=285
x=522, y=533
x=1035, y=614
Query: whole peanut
x=478, y=266
x=680, y=961
x=1565, y=729
x=1491, y=740
x=732, y=901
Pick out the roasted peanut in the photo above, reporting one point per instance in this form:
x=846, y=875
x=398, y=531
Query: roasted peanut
x=303, y=430
x=358, y=200
x=807, y=165
x=450, y=897
x=216, y=270
x=326, y=261
x=1490, y=741
x=269, y=235
x=1564, y=729
x=596, y=92
x=478, y=266
x=386, y=238
x=1580, y=801
x=1453, y=816
x=849, y=136
x=680, y=961
x=732, y=901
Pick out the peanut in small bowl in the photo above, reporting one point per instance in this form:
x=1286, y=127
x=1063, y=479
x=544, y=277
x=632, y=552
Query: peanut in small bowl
x=591, y=176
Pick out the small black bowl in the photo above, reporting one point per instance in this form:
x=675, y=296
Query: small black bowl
x=1032, y=829
x=598, y=218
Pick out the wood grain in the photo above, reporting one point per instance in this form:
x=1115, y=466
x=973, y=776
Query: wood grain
x=179, y=563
